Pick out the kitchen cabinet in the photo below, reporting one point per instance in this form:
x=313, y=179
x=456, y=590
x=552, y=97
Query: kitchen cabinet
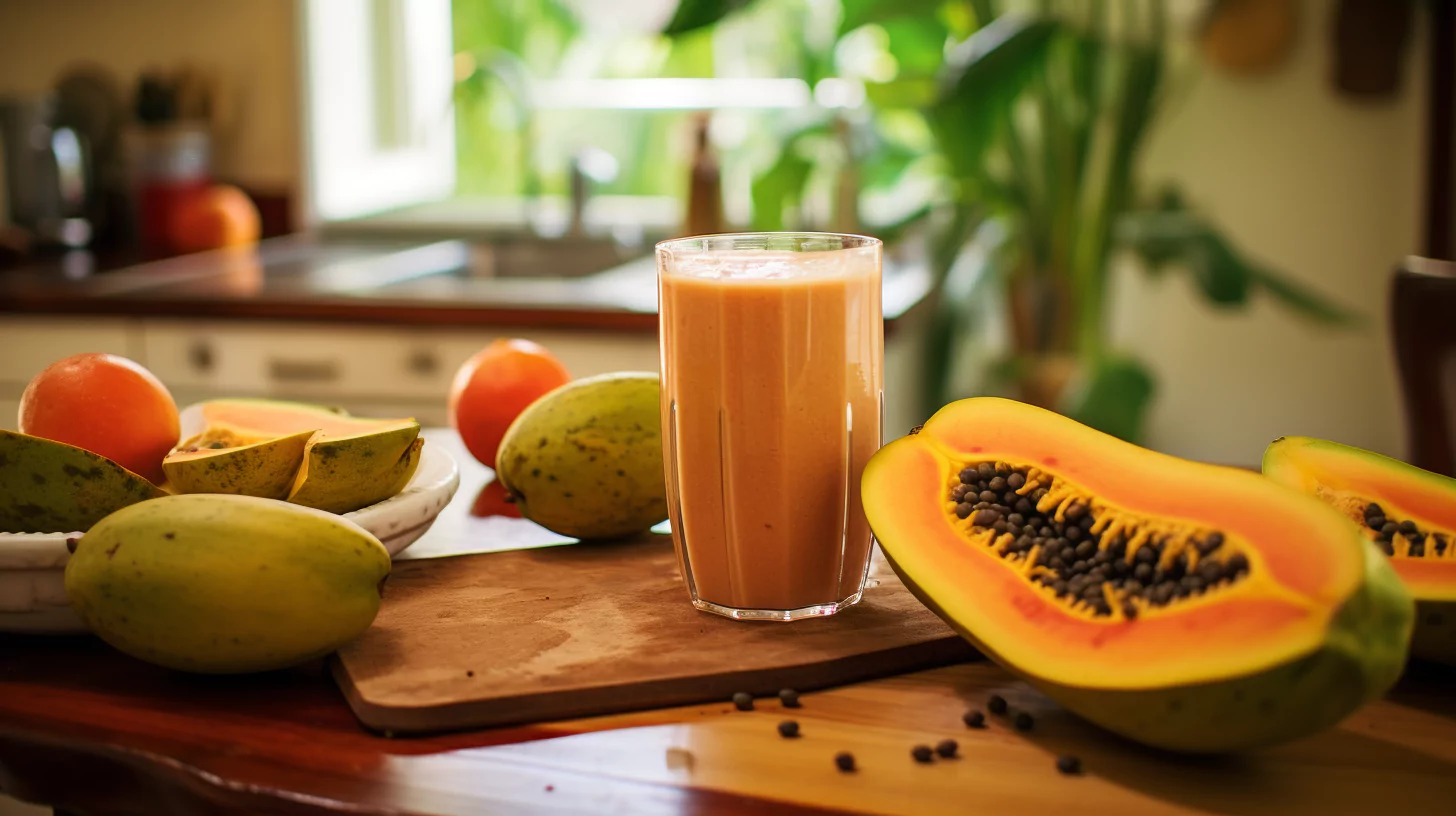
x=380, y=370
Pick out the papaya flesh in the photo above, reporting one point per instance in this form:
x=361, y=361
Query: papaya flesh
x=1409, y=513
x=1186, y=606
x=51, y=487
x=304, y=454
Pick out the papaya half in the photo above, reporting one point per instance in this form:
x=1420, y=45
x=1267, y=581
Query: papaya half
x=1409, y=513
x=304, y=454
x=1183, y=605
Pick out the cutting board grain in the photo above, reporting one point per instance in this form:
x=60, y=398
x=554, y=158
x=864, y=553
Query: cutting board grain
x=542, y=634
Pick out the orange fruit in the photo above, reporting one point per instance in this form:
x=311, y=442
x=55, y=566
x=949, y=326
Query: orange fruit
x=219, y=216
x=106, y=404
x=492, y=388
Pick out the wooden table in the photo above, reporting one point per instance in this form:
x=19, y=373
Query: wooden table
x=85, y=729
x=89, y=730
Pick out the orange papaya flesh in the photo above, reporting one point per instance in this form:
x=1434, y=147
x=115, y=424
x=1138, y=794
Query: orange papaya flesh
x=1287, y=590
x=1408, y=512
x=1366, y=487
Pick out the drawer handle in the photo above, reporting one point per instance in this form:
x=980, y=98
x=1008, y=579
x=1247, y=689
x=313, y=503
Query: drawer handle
x=200, y=355
x=303, y=370
x=423, y=363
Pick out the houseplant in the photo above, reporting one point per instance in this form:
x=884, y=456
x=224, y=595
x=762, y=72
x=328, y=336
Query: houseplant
x=1038, y=123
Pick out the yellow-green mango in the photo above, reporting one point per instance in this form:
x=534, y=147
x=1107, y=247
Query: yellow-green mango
x=52, y=487
x=222, y=465
x=585, y=460
x=226, y=584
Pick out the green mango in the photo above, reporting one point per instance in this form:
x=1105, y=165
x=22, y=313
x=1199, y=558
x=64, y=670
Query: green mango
x=225, y=584
x=52, y=487
x=585, y=460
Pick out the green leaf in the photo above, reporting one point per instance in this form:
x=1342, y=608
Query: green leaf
x=864, y=12
x=692, y=15
x=1175, y=237
x=783, y=183
x=1301, y=299
x=983, y=77
x=1112, y=396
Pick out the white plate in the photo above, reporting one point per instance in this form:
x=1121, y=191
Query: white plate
x=33, y=565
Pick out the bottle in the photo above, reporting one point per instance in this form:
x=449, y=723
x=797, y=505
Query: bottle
x=705, y=185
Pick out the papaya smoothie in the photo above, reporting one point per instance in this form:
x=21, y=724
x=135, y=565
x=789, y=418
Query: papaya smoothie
x=772, y=353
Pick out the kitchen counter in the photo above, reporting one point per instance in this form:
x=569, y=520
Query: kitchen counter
x=442, y=283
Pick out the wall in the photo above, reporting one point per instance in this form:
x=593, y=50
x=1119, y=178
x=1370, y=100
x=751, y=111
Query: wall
x=251, y=42
x=1327, y=190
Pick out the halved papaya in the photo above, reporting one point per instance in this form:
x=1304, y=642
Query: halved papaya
x=305, y=454
x=1409, y=513
x=1187, y=606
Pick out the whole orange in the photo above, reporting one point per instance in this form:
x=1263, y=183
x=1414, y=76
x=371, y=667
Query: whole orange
x=219, y=216
x=108, y=405
x=492, y=388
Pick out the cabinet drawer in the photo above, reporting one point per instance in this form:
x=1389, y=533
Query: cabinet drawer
x=378, y=364
x=29, y=344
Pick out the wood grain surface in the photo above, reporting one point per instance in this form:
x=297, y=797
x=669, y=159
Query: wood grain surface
x=90, y=730
x=529, y=635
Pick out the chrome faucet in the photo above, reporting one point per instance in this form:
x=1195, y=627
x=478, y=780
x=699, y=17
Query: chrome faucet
x=589, y=166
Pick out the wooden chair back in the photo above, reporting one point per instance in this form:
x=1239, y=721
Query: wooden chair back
x=1423, y=327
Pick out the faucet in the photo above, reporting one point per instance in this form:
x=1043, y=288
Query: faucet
x=589, y=166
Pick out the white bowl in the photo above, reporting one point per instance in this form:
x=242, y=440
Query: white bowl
x=33, y=565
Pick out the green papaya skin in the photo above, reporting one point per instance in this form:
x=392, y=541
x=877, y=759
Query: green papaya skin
x=226, y=584
x=585, y=460
x=1363, y=655
x=343, y=475
x=263, y=469
x=52, y=487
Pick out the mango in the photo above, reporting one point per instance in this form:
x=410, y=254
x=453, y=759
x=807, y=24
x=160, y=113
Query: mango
x=585, y=460
x=223, y=584
x=52, y=487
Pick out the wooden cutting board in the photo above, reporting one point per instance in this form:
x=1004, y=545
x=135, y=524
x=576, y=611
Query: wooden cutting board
x=542, y=634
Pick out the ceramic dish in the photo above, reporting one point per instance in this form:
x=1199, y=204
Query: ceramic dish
x=33, y=565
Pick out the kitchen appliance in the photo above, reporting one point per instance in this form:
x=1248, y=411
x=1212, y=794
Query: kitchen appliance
x=45, y=177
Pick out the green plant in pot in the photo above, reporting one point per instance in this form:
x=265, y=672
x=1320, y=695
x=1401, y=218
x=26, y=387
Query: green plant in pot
x=1041, y=121
x=1038, y=121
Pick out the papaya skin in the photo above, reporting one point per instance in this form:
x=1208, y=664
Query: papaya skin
x=585, y=460
x=343, y=475
x=263, y=469
x=52, y=487
x=1348, y=479
x=1287, y=651
x=348, y=463
x=226, y=584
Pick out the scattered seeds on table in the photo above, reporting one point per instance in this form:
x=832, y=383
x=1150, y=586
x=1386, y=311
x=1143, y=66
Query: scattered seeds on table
x=922, y=753
x=743, y=701
x=996, y=704
x=1069, y=765
x=1023, y=721
x=974, y=719
x=844, y=761
x=789, y=698
x=946, y=748
x=788, y=728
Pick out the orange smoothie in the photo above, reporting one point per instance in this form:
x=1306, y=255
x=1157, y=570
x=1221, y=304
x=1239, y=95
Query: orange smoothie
x=772, y=381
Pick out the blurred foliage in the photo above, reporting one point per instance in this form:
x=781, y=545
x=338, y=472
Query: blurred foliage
x=1038, y=115
x=1005, y=134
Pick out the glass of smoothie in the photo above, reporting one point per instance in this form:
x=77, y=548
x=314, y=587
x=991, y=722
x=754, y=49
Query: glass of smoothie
x=772, y=395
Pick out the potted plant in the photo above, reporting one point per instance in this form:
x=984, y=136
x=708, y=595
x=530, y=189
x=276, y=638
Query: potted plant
x=1038, y=123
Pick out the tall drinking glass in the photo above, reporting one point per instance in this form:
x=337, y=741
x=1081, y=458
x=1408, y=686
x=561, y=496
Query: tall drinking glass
x=772, y=393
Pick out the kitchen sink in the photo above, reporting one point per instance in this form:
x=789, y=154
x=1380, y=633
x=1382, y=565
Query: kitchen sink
x=529, y=257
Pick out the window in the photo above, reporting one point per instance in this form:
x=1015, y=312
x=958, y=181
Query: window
x=483, y=110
